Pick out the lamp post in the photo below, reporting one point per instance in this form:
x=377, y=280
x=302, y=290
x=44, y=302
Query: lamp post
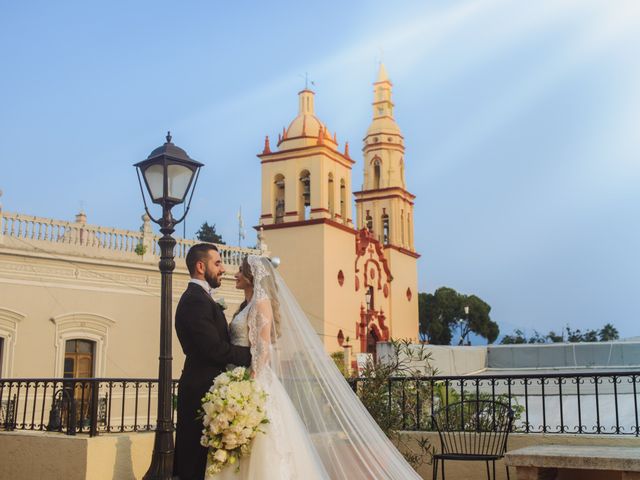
x=168, y=173
x=466, y=314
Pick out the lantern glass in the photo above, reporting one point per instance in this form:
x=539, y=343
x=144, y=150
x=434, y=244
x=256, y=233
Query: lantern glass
x=154, y=176
x=178, y=181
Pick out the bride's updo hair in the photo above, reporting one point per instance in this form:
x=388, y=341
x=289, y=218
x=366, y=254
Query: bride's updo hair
x=269, y=285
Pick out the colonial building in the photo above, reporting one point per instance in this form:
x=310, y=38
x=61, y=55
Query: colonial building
x=80, y=300
x=355, y=279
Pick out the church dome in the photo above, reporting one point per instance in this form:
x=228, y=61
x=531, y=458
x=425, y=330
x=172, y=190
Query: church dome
x=305, y=125
x=306, y=128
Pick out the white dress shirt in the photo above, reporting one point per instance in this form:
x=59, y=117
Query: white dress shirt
x=203, y=284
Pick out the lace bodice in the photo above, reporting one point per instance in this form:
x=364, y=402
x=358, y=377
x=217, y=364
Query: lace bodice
x=239, y=329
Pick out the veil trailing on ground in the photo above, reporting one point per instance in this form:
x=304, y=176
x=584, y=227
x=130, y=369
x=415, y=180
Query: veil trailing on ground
x=347, y=440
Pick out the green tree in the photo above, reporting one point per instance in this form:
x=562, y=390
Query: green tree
x=554, y=337
x=517, y=338
x=605, y=334
x=608, y=333
x=207, y=233
x=442, y=312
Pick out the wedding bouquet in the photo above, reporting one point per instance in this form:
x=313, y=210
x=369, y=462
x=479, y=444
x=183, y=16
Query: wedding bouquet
x=233, y=412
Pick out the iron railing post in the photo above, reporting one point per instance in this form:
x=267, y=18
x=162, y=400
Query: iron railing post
x=93, y=415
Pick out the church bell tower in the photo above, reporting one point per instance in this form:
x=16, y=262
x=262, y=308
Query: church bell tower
x=307, y=220
x=385, y=206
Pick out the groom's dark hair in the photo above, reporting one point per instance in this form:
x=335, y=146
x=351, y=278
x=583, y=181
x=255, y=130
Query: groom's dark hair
x=198, y=253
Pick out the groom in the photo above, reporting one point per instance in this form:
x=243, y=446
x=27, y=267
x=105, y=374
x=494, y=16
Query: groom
x=204, y=336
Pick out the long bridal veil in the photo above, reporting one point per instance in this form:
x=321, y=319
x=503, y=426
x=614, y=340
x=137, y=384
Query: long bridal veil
x=346, y=438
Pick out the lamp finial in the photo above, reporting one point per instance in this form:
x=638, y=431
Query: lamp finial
x=168, y=137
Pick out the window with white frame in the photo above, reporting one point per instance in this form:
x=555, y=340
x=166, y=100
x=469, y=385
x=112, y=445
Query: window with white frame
x=9, y=321
x=74, y=329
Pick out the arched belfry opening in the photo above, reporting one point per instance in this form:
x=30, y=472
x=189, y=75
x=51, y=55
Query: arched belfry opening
x=343, y=200
x=376, y=173
x=331, y=195
x=304, y=201
x=278, y=198
x=385, y=228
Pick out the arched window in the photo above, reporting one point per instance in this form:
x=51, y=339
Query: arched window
x=385, y=229
x=369, y=219
x=79, y=358
x=278, y=195
x=304, y=202
x=343, y=200
x=376, y=173
x=330, y=195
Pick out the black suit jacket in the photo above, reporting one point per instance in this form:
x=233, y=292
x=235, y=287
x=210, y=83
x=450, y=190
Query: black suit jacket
x=204, y=336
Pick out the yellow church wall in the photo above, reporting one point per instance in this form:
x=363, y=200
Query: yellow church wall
x=300, y=250
x=342, y=302
x=404, y=312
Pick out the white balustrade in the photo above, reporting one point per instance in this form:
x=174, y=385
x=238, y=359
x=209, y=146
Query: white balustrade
x=29, y=231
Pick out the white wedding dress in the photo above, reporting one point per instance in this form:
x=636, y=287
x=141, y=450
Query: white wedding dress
x=318, y=427
x=284, y=451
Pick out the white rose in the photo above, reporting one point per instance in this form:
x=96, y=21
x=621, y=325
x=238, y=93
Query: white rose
x=220, y=455
x=208, y=408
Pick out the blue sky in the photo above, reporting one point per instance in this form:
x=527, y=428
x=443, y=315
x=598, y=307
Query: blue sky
x=521, y=123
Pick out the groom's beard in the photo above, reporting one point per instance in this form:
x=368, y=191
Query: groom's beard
x=212, y=280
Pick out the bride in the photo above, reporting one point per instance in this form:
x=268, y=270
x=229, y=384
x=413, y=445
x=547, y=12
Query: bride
x=318, y=429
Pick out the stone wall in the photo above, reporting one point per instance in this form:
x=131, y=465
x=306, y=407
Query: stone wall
x=30, y=455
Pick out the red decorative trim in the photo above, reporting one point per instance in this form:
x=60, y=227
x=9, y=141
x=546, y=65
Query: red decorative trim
x=337, y=215
x=383, y=197
x=266, y=215
x=381, y=133
x=403, y=250
x=301, y=149
x=315, y=221
x=340, y=278
x=383, y=146
x=387, y=189
x=363, y=240
x=295, y=212
x=372, y=273
x=313, y=210
x=409, y=294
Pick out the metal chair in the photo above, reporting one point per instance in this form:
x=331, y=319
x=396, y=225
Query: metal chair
x=472, y=430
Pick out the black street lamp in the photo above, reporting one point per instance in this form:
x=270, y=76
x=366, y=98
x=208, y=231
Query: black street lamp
x=169, y=174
